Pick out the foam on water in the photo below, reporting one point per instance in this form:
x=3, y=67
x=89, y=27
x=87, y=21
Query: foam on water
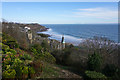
x=76, y=33
x=68, y=38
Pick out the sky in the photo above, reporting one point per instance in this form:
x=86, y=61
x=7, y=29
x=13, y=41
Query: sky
x=61, y=12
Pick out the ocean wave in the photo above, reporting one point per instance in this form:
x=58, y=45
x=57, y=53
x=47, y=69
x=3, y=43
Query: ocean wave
x=68, y=38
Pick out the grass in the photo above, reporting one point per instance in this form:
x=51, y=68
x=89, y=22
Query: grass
x=49, y=71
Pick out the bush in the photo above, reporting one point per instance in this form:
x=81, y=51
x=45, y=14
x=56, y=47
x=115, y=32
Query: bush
x=31, y=70
x=49, y=58
x=12, y=44
x=34, y=51
x=12, y=51
x=5, y=48
x=27, y=57
x=38, y=65
x=9, y=73
x=45, y=45
x=94, y=62
x=112, y=71
x=44, y=35
x=94, y=75
x=25, y=70
x=37, y=47
x=17, y=65
x=10, y=41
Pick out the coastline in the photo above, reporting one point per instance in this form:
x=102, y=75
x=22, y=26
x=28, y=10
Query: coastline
x=56, y=36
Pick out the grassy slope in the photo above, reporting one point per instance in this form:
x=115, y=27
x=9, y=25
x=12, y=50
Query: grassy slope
x=55, y=71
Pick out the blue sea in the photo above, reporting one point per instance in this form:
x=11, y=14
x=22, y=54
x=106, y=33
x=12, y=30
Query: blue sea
x=76, y=33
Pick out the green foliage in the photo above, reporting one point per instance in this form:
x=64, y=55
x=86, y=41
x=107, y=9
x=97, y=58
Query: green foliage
x=37, y=47
x=49, y=58
x=25, y=70
x=10, y=73
x=112, y=71
x=12, y=44
x=31, y=70
x=12, y=51
x=44, y=35
x=42, y=55
x=45, y=45
x=4, y=47
x=18, y=69
x=95, y=75
x=94, y=62
x=38, y=65
x=27, y=57
x=17, y=61
x=34, y=51
x=10, y=41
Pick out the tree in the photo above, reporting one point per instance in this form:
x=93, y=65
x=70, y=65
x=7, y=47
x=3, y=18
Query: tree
x=94, y=62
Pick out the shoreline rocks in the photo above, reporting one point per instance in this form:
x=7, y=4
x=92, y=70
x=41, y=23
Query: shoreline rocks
x=43, y=29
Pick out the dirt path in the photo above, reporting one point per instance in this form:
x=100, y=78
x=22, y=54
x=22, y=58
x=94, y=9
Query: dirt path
x=66, y=73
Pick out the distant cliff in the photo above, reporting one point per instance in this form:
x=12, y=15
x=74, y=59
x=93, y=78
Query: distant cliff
x=17, y=31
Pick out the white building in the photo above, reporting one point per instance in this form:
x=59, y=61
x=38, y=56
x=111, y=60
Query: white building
x=27, y=28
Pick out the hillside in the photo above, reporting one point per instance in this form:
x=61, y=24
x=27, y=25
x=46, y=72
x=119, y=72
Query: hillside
x=27, y=55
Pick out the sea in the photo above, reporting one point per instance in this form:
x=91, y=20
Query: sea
x=77, y=33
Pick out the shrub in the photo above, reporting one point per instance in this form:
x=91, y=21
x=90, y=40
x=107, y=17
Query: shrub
x=44, y=35
x=34, y=51
x=9, y=73
x=111, y=70
x=12, y=44
x=45, y=45
x=25, y=70
x=5, y=47
x=37, y=64
x=27, y=57
x=94, y=62
x=31, y=70
x=8, y=40
x=17, y=65
x=12, y=51
x=37, y=47
x=49, y=58
x=7, y=61
x=95, y=75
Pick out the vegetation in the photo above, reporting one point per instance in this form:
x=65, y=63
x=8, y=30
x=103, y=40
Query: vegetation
x=44, y=35
x=92, y=59
x=10, y=73
x=94, y=62
x=95, y=75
